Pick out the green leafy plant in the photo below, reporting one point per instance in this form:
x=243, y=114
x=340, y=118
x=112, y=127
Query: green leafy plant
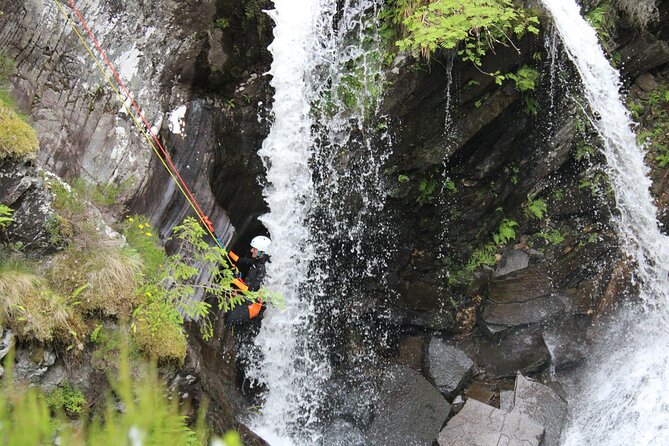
x=426, y=188
x=101, y=195
x=474, y=26
x=663, y=156
x=600, y=18
x=222, y=23
x=506, y=232
x=584, y=151
x=525, y=78
x=535, y=208
x=5, y=216
x=514, y=171
x=552, y=236
x=67, y=398
x=485, y=255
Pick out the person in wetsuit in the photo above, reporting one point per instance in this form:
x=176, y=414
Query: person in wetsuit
x=253, y=271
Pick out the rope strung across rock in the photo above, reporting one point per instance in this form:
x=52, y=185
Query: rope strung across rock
x=145, y=129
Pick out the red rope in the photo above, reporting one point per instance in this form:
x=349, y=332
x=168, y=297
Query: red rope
x=201, y=214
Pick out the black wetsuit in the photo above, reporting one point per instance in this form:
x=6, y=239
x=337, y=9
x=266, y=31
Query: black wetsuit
x=253, y=273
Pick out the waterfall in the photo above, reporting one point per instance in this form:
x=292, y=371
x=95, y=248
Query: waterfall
x=286, y=367
x=624, y=399
x=325, y=74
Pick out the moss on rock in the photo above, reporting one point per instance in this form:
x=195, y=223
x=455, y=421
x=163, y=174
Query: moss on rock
x=17, y=138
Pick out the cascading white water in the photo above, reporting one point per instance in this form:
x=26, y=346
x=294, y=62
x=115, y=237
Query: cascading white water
x=624, y=399
x=318, y=56
x=286, y=368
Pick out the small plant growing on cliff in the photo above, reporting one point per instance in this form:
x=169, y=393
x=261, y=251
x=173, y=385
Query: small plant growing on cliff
x=5, y=216
x=601, y=19
x=222, y=23
x=506, y=232
x=553, y=236
x=535, y=208
x=426, y=188
x=68, y=399
x=525, y=80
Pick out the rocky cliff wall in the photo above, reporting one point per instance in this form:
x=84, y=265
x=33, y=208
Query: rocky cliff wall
x=181, y=68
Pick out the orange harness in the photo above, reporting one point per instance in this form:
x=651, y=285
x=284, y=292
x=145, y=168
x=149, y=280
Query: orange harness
x=254, y=308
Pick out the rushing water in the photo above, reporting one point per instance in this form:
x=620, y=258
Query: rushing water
x=624, y=399
x=326, y=76
x=286, y=367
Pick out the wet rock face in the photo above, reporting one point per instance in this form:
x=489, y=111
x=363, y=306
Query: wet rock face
x=522, y=349
x=181, y=66
x=520, y=298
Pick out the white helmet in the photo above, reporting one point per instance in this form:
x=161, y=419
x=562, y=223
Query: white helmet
x=261, y=243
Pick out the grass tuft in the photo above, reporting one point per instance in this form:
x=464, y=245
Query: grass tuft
x=31, y=309
x=108, y=274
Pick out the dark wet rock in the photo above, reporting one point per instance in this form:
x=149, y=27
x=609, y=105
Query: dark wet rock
x=643, y=54
x=438, y=319
x=213, y=361
x=342, y=433
x=448, y=367
x=566, y=340
x=512, y=260
x=411, y=352
x=520, y=298
x=410, y=410
x=22, y=189
x=519, y=350
x=54, y=377
x=541, y=404
x=478, y=424
x=351, y=402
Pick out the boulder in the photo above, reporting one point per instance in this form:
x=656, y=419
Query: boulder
x=541, y=404
x=521, y=350
x=22, y=189
x=512, y=260
x=646, y=82
x=448, y=367
x=644, y=54
x=478, y=424
x=520, y=298
x=410, y=410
